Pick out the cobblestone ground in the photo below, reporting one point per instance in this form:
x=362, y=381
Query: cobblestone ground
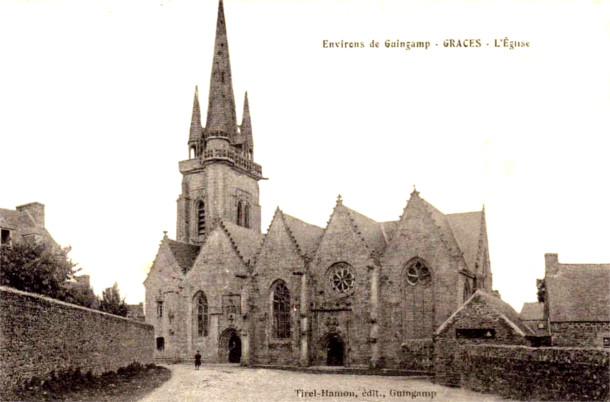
x=233, y=383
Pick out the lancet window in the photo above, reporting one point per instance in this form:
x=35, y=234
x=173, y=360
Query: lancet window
x=281, y=311
x=201, y=314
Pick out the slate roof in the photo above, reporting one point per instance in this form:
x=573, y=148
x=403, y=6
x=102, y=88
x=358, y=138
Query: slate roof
x=499, y=306
x=466, y=228
x=443, y=225
x=185, y=253
x=23, y=224
x=370, y=229
x=533, y=311
x=579, y=292
x=247, y=241
x=9, y=218
x=306, y=235
x=388, y=229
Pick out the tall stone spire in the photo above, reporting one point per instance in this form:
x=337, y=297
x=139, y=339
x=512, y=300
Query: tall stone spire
x=196, y=129
x=246, y=127
x=221, y=105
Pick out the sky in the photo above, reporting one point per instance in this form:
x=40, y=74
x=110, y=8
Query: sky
x=96, y=100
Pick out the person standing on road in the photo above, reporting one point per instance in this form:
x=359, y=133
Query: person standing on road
x=197, y=360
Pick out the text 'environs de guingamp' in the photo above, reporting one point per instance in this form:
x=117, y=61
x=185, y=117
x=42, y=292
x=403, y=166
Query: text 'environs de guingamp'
x=505, y=43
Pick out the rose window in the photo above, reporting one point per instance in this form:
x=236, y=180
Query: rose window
x=418, y=273
x=341, y=277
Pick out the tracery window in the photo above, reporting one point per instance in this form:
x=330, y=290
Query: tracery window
x=281, y=311
x=419, y=300
x=341, y=278
x=239, y=214
x=201, y=314
x=200, y=218
x=418, y=273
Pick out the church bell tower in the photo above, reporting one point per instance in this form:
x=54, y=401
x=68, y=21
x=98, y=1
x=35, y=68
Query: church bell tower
x=220, y=178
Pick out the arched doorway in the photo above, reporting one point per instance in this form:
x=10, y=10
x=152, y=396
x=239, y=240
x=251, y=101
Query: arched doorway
x=335, y=351
x=234, y=349
x=229, y=347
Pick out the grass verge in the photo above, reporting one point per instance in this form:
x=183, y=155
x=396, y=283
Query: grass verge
x=127, y=384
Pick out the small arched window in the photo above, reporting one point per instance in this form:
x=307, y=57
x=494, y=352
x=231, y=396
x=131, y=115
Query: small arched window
x=201, y=314
x=281, y=311
x=240, y=213
x=200, y=218
x=247, y=216
x=193, y=152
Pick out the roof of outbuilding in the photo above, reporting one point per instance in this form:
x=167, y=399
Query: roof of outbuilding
x=9, y=218
x=533, y=311
x=579, y=292
x=499, y=306
x=184, y=253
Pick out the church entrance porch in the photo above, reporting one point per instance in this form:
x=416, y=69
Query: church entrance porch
x=229, y=347
x=335, y=350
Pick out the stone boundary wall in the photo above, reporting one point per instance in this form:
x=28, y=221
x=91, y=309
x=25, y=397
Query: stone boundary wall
x=526, y=373
x=40, y=336
x=417, y=354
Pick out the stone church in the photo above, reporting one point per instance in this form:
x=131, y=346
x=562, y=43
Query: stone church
x=356, y=293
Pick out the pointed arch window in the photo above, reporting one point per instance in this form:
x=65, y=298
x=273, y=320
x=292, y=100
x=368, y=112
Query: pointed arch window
x=200, y=218
x=419, y=300
x=247, y=216
x=240, y=212
x=281, y=311
x=200, y=310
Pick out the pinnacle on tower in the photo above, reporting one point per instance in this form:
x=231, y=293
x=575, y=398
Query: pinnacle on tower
x=246, y=127
x=221, y=118
x=196, y=129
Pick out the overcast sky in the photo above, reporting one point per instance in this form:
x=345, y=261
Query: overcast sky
x=96, y=100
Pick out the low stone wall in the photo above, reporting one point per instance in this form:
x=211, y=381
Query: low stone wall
x=526, y=373
x=40, y=337
x=417, y=354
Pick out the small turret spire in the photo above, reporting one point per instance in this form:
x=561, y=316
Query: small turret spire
x=221, y=116
x=246, y=127
x=196, y=129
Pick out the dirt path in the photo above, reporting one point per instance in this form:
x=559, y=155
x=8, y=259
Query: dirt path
x=233, y=383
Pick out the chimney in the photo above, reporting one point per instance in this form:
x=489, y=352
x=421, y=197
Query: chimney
x=551, y=263
x=35, y=210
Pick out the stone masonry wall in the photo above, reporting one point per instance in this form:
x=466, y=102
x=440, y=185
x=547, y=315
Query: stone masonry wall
x=40, y=335
x=277, y=261
x=583, y=334
x=415, y=237
x=344, y=315
x=525, y=373
x=447, y=348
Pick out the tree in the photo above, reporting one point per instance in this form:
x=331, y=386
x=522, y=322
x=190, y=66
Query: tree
x=37, y=268
x=112, y=303
x=541, y=290
x=81, y=295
